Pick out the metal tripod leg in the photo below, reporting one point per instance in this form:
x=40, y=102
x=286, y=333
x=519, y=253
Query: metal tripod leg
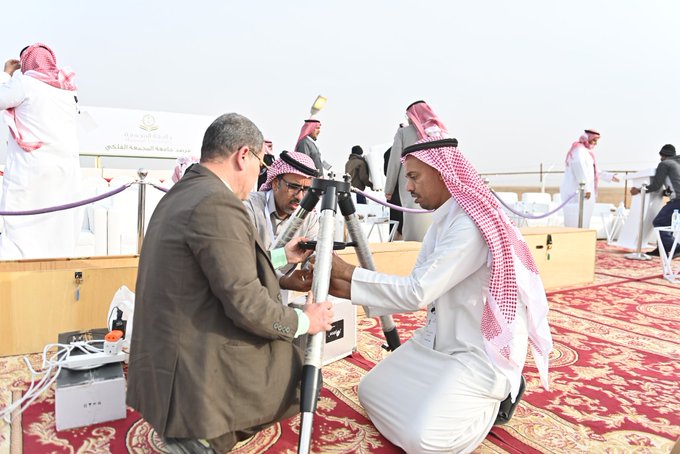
x=348, y=210
x=311, y=370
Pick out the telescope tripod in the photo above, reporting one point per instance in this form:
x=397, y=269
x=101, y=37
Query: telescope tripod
x=333, y=194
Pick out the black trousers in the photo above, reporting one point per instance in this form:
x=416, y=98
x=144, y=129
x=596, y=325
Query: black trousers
x=396, y=215
x=663, y=219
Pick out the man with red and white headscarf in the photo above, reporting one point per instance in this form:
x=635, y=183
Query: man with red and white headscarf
x=43, y=167
x=288, y=180
x=306, y=143
x=581, y=166
x=422, y=122
x=441, y=391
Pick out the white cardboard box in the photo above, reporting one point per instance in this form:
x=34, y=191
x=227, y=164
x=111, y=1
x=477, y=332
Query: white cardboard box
x=88, y=397
x=341, y=341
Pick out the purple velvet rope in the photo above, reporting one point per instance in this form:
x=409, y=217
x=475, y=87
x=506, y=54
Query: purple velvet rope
x=68, y=205
x=391, y=206
x=539, y=216
x=414, y=210
x=160, y=188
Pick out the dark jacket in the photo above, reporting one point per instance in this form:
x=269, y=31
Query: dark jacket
x=357, y=167
x=212, y=347
x=668, y=168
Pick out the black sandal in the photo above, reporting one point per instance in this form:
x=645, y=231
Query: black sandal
x=507, y=408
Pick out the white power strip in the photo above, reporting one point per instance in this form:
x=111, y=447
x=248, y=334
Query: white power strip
x=92, y=360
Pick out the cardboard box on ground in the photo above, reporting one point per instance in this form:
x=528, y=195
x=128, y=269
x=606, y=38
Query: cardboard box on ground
x=341, y=340
x=86, y=397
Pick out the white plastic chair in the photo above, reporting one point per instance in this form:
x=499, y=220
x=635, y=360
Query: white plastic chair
x=537, y=203
x=603, y=220
x=510, y=198
x=536, y=197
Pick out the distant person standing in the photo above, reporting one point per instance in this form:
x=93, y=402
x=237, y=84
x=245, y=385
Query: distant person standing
x=395, y=215
x=668, y=169
x=422, y=123
x=581, y=166
x=43, y=166
x=307, y=142
x=181, y=165
x=267, y=160
x=357, y=168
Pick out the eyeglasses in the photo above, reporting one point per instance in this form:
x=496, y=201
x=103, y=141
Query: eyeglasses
x=259, y=158
x=295, y=188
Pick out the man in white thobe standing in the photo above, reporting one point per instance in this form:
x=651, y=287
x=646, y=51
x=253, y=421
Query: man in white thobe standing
x=441, y=390
x=581, y=166
x=43, y=167
x=422, y=122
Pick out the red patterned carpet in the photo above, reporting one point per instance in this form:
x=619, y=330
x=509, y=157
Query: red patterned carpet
x=615, y=382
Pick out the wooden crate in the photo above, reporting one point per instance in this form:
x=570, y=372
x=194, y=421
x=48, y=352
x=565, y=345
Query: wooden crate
x=391, y=258
x=38, y=298
x=570, y=260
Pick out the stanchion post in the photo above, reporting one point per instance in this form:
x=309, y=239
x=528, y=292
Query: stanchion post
x=581, y=202
x=641, y=226
x=638, y=254
x=141, y=206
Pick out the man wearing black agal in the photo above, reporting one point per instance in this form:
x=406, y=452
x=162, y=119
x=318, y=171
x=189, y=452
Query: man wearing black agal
x=668, y=169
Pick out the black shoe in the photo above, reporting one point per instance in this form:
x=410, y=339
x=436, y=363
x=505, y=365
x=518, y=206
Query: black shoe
x=507, y=408
x=187, y=446
x=676, y=253
x=654, y=253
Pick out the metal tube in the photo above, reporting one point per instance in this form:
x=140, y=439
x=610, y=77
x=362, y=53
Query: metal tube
x=638, y=254
x=291, y=228
x=311, y=370
x=305, y=442
x=581, y=202
x=641, y=225
x=141, y=208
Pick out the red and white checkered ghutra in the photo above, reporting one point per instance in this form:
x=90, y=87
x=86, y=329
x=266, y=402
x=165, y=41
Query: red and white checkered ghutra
x=511, y=259
x=38, y=61
x=281, y=167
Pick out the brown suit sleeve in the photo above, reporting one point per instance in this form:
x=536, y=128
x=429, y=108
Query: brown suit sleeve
x=221, y=237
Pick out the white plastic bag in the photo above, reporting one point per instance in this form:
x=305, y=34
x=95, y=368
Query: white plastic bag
x=123, y=300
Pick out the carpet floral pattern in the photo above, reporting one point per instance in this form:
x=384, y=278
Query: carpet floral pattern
x=614, y=384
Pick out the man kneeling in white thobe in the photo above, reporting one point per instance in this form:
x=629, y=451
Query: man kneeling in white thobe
x=441, y=390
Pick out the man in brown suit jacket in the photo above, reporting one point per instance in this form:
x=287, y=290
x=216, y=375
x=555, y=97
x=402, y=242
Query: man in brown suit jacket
x=212, y=354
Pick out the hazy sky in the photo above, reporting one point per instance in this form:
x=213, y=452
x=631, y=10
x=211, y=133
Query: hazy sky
x=515, y=82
